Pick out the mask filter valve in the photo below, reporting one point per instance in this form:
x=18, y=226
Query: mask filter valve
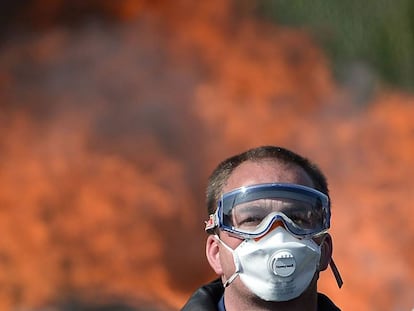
x=282, y=264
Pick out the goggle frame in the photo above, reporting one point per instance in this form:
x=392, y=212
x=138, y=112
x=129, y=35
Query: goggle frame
x=216, y=219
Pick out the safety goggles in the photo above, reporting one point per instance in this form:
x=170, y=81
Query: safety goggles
x=249, y=212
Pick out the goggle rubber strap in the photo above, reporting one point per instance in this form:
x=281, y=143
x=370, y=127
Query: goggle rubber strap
x=336, y=273
x=211, y=223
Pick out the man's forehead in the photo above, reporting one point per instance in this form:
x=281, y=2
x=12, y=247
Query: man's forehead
x=266, y=171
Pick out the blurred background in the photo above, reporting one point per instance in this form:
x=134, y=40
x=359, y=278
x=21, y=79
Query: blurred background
x=113, y=114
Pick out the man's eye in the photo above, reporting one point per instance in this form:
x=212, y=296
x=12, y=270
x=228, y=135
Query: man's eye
x=250, y=221
x=300, y=220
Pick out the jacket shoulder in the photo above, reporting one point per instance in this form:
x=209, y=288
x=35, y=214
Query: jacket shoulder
x=205, y=298
x=325, y=304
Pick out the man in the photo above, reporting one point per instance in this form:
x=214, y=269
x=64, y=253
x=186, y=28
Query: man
x=269, y=216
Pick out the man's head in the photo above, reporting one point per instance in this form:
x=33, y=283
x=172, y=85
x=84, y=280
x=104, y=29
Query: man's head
x=221, y=174
x=263, y=166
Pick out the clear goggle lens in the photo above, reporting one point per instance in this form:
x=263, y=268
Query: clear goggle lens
x=250, y=211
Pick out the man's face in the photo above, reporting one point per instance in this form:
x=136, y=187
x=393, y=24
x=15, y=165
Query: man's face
x=252, y=173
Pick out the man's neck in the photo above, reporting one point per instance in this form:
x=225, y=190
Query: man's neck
x=308, y=301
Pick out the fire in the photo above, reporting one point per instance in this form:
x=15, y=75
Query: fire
x=108, y=134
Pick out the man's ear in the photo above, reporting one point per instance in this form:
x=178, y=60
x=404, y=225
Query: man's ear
x=326, y=252
x=213, y=254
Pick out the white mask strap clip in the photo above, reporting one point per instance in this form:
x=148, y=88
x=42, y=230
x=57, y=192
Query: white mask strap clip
x=237, y=264
x=231, y=279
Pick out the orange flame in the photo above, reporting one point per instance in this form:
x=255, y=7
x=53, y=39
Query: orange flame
x=109, y=133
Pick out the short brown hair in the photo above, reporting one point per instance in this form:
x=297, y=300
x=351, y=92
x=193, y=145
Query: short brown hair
x=221, y=174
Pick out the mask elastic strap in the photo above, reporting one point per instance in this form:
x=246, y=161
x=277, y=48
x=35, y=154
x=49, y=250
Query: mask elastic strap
x=236, y=263
x=336, y=273
x=231, y=279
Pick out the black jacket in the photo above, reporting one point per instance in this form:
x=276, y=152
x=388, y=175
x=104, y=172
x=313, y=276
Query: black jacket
x=207, y=297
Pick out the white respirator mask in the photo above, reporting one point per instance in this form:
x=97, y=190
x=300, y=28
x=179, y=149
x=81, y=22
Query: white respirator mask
x=277, y=267
x=275, y=264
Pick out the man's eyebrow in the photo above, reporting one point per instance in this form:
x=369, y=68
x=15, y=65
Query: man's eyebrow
x=248, y=206
x=261, y=203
